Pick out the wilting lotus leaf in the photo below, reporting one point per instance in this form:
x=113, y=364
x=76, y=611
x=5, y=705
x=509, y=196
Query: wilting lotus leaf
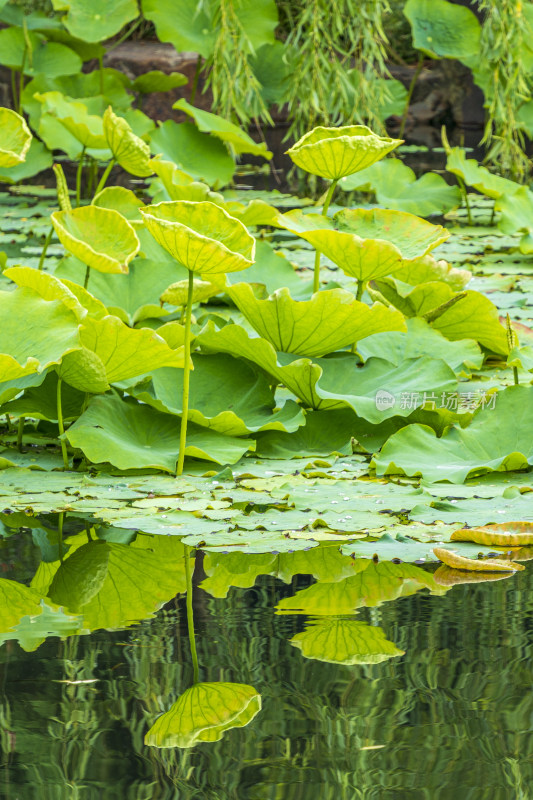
x=414, y=237
x=498, y=439
x=37, y=159
x=442, y=29
x=473, y=317
x=131, y=152
x=47, y=57
x=15, y=138
x=96, y=20
x=337, y=152
x=202, y=156
x=477, y=176
x=201, y=236
x=115, y=352
x=507, y=534
x=157, y=81
x=17, y=601
x=176, y=293
x=75, y=118
x=332, y=319
x=204, y=713
x=50, y=330
x=396, y=186
x=100, y=237
x=223, y=129
x=517, y=216
x=120, y=199
x=345, y=641
x=130, y=436
x=476, y=565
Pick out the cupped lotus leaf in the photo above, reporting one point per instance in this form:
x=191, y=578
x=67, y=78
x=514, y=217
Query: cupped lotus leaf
x=84, y=371
x=332, y=319
x=100, y=237
x=201, y=236
x=200, y=155
x=120, y=199
x=46, y=286
x=223, y=129
x=74, y=116
x=473, y=317
x=442, y=29
x=15, y=138
x=92, y=305
x=37, y=159
x=498, y=438
x=157, y=81
x=335, y=153
x=130, y=436
x=129, y=150
x=477, y=176
x=446, y=576
x=507, y=534
x=475, y=565
x=50, y=330
x=52, y=58
x=204, y=713
x=345, y=641
x=97, y=20
x=176, y=294
x=414, y=237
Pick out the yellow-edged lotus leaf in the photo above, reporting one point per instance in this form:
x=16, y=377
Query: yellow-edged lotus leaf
x=477, y=176
x=414, y=237
x=446, y=576
x=131, y=152
x=332, y=319
x=364, y=259
x=94, y=307
x=411, y=301
x=345, y=641
x=507, y=534
x=176, y=294
x=256, y=212
x=201, y=236
x=15, y=138
x=46, y=286
x=88, y=129
x=473, y=564
x=100, y=237
x=122, y=200
x=173, y=333
x=204, y=713
x=35, y=333
x=84, y=370
x=427, y=268
x=179, y=185
x=335, y=153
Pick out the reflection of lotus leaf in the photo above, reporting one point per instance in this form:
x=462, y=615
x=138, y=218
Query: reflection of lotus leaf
x=131, y=152
x=446, y=576
x=204, y=713
x=100, y=237
x=336, y=152
x=201, y=236
x=345, y=641
x=15, y=138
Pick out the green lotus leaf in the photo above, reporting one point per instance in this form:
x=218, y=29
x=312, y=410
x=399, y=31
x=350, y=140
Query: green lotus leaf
x=396, y=186
x=74, y=116
x=335, y=153
x=498, y=439
x=46, y=286
x=40, y=402
x=50, y=331
x=17, y=601
x=176, y=293
x=517, y=216
x=37, y=159
x=256, y=212
x=96, y=20
x=198, y=154
x=81, y=576
x=331, y=320
x=122, y=200
x=345, y=641
x=364, y=259
x=411, y=302
x=15, y=138
x=157, y=81
x=11, y=388
x=84, y=371
x=477, y=176
x=273, y=270
x=51, y=58
x=204, y=713
x=131, y=152
x=212, y=400
x=201, y=236
x=99, y=237
x=473, y=317
x=442, y=29
x=131, y=436
x=93, y=306
x=223, y=129
x=427, y=268
x=179, y=185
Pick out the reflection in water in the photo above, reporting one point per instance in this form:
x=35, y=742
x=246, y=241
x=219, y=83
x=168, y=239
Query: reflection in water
x=318, y=635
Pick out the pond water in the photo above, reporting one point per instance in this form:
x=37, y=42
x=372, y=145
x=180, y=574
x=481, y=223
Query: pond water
x=433, y=700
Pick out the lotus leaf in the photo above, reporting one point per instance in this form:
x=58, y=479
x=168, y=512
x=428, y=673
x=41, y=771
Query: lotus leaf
x=201, y=236
x=15, y=138
x=477, y=176
x=446, y=576
x=411, y=302
x=74, y=116
x=517, y=216
x=204, y=713
x=176, y=293
x=51, y=58
x=332, y=319
x=37, y=159
x=223, y=129
x=131, y=152
x=345, y=641
x=179, y=185
x=120, y=199
x=17, y=601
x=508, y=534
x=427, y=268
x=442, y=29
x=335, y=153
x=200, y=155
x=476, y=565
x=157, y=81
x=100, y=237
x=46, y=286
x=96, y=20
x=473, y=317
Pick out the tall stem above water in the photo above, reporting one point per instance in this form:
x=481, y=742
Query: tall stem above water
x=324, y=212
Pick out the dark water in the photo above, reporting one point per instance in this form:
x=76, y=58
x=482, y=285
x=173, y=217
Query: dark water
x=451, y=719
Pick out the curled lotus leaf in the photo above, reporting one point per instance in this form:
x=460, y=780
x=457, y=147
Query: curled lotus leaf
x=122, y=200
x=128, y=149
x=335, y=153
x=176, y=294
x=74, y=116
x=100, y=237
x=204, y=713
x=15, y=138
x=475, y=564
x=345, y=641
x=330, y=320
x=507, y=534
x=46, y=286
x=201, y=236
x=477, y=176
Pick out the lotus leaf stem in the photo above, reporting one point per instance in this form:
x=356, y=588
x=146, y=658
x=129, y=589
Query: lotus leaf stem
x=462, y=187
x=360, y=289
x=61, y=425
x=20, y=433
x=78, y=177
x=45, y=247
x=104, y=177
x=190, y=614
x=14, y=87
x=60, y=520
x=186, y=371
x=324, y=212
x=197, y=71
x=87, y=273
x=410, y=91
x=515, y=376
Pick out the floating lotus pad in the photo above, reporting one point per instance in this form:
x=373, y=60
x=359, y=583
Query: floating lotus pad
x=100, y=237
x=201, y=236
x=508, y=534
x=203, y=713
x=15, y=138
x=128, y=149
x=335, y=153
